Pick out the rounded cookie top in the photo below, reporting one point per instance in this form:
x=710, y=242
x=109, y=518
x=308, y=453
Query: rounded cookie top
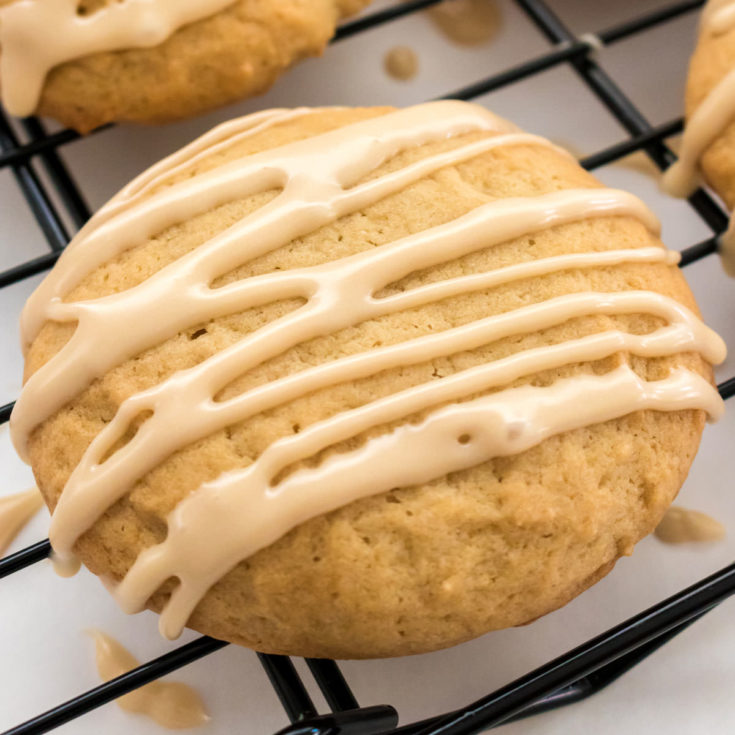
x=330, y=367
x=90, y=62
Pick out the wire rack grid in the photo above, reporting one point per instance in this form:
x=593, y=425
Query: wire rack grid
x=57, y=205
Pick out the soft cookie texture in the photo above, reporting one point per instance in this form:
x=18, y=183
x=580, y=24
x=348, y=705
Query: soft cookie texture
x=713, y=60
x=233, y=54
x=417, y=568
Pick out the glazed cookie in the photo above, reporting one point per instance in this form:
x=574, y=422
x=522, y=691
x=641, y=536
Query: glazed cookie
x=90, y=62
x=362, y=382
x=708, y=144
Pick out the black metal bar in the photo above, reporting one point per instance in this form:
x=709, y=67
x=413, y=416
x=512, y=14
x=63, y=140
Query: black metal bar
x=605, y=657
x=519, y=72
x=596, y=79
x=39, y=202
x=727, y=388
x=24, y=558
x=366, y=721
x=57, y=171
x=382, y=16
x=5, y=412
x=29, y=268
x=289, y=687
x=117, y=687
x=580, y=689
x=604, y=676
x=335, y=689
x=569, y=49
x=624, y=111
x=709, y=211
x=626, y=147
x=648, y=20
x=658, y=620
x=27, y=150
x=697, y=252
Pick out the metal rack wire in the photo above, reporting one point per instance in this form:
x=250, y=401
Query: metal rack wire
x=569, y=678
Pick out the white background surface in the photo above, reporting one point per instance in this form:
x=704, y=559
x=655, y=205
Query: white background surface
x=687, y=687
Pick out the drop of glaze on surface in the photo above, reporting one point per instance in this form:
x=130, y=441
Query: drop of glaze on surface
x=15, y=512
x=467, y=22
x=680, y=526
x=401, y=63
x=172, y=705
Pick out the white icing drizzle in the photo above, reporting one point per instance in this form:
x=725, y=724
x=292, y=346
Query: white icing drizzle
x=240, y=512
x=706, y=124
x=37, y=35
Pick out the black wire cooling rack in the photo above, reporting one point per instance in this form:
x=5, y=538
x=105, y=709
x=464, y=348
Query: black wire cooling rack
x=569, y=678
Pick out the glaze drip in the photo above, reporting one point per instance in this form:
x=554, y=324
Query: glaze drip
x=449, y=427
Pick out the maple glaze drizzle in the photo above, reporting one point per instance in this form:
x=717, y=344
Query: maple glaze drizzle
x=320, y=180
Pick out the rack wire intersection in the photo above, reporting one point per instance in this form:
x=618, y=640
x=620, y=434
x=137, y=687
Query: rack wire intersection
x=571, y=677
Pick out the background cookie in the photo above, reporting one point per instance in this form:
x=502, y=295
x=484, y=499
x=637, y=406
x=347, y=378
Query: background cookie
x=496, y=545
x=713, y=60
x=234, y=53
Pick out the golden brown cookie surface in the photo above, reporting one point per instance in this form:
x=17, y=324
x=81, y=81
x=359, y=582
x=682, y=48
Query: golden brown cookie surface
x=422, y=567
x=237, y=52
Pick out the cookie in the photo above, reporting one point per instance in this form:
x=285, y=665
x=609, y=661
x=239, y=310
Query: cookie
x=708, y=144
x=91, y=62
x=362, y=382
